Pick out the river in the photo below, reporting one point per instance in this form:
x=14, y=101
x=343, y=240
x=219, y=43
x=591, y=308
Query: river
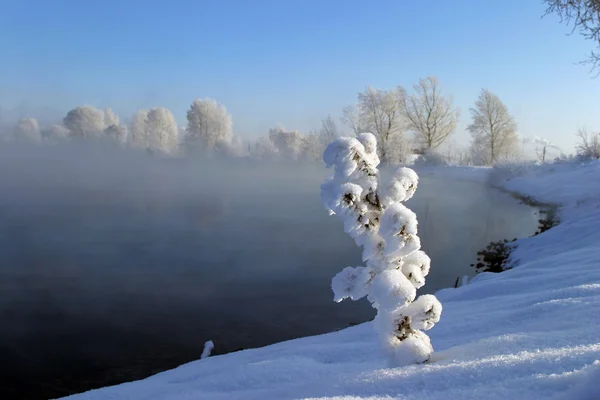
x=118, y=279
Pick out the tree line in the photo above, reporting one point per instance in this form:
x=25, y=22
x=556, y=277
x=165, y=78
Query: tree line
x=405, y=124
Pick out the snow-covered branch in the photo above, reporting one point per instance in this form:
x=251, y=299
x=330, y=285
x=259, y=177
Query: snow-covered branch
x=395, y=267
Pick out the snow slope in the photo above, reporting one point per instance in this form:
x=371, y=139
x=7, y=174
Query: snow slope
x=532, y=332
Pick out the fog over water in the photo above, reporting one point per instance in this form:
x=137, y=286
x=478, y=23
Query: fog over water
x=115, y=265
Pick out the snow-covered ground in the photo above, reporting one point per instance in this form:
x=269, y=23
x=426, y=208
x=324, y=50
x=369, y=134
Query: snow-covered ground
x=532, y=332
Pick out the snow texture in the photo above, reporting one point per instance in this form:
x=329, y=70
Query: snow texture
x=527, y=333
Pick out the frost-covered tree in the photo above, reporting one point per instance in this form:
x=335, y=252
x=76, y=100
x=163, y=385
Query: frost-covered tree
x=430, y=115
x=351, y=118
x=313, y=147
x=154, y=130
x=395, y=267
x=589, y=144
x=328, y=131
x=162, y=130
x=116, y=132
x=316, y=141
x=264, y=149
x=493, y=129
x=110, y=118
x=85, y=122
x=137, y=132
x=56, y=134
x=27, y=130
x=290, y=144
x=234, y=148
x=208, y=122
x=380, y=113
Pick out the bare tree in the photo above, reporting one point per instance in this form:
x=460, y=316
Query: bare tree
x=493, y=129
x=313, y=146
x=431, y=116
x=584, y=16
x=351, y=118
x=329, y=131
x=589, y=144
x=379, y=111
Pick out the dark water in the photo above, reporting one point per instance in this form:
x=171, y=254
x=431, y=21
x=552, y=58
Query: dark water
x=114, y=278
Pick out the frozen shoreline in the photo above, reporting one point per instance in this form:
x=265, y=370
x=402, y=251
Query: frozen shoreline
x=530, y=332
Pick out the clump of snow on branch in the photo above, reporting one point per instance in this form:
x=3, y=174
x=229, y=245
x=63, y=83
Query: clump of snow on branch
x=387, y=230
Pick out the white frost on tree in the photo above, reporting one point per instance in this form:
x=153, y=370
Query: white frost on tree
x=154, y=130
x=162, y=130
x=110, y=118
x=233, y=148
x=493, y=130
x=380, y=113
x=27, y=131
x=316, y=141
x=395, y=266
x=264, y=149
x=351, y=118
x=588, y=146
x=85, y=122
x=290, y=144
x=56, y=134
x=115, y=132
x=313, y=148
x=208, y=123
x=431, y=116
x=328, y=132
x=137, y=132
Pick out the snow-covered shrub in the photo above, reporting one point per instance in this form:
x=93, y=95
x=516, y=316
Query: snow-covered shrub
x=395, y=267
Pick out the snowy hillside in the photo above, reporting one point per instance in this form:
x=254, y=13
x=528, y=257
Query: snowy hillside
x=532, y=332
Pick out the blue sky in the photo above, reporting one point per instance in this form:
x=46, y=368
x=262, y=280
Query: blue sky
x=292, y=62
